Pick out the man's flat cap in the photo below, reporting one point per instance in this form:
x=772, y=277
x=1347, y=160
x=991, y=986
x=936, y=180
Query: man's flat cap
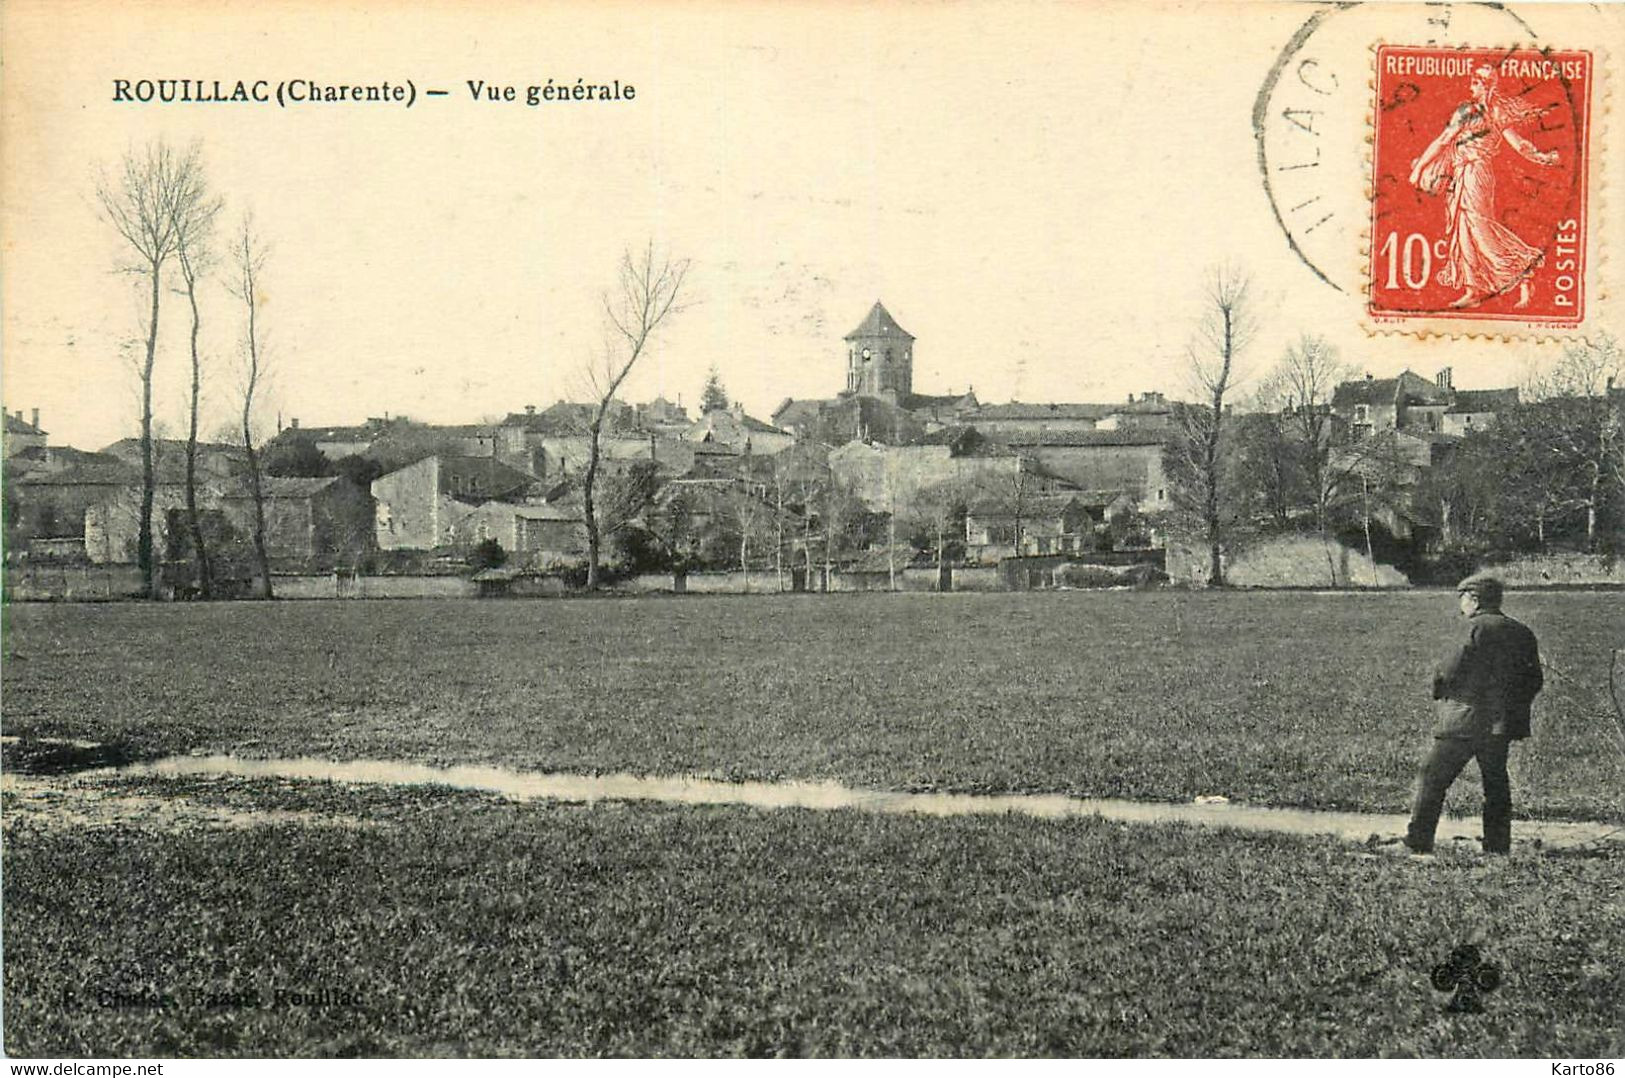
x=1486, y=588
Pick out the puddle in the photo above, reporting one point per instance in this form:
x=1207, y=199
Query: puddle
x=58, y=803
x=682, y=790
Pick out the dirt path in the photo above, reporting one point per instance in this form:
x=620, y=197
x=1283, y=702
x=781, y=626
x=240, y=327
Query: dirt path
x=683, y=790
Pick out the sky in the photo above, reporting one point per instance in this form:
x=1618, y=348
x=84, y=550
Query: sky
x=1036, y=191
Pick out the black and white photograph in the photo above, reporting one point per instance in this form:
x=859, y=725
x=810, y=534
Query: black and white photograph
x=973, y=530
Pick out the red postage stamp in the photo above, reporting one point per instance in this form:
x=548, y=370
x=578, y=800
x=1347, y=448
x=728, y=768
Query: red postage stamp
x=1479, y=185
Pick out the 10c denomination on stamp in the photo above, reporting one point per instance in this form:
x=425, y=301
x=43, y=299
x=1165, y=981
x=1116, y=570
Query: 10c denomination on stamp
x=1479, y=185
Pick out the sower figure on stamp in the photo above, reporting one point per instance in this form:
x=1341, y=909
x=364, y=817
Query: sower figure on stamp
x=1485, y=257
x=1483, y=690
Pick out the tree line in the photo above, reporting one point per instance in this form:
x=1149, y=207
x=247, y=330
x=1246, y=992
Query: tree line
x=1548, y=473
x=166, y=214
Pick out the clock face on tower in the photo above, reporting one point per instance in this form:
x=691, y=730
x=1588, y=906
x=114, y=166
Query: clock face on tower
x=867, y=353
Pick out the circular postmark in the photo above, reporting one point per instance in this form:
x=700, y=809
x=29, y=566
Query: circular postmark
x=1313, y=120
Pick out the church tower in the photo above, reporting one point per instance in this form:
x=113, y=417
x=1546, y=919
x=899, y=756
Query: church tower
x=880, y=358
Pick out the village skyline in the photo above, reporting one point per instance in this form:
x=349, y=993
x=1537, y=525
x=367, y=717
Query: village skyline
x=446, y=262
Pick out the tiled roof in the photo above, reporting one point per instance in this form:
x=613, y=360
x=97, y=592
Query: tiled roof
x=1021, y=410
x=794, y=411
x=1484, y=400
x=880, y=323
x=169, y=445
x=103, y=470
x=1364, y=391
x=723, y=417
x=1130, y=436
x=925, y=401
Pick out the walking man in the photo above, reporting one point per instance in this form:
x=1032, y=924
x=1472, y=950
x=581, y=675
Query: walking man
x=1483, y=690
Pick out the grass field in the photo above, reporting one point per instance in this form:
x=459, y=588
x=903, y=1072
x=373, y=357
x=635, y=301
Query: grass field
x=454, y=924
x=424, y=921
x=1288, y=699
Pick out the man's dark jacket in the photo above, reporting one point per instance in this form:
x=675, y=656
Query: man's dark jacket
x=1487, y=682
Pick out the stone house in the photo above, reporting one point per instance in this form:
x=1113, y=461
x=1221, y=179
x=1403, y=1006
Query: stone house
x=742, y=433
x=1409, y=402
x=535, y=536
x=21, y=434
x=887, y=476
x=1023, y=420
x=1128, y=460
x=50, y=502
x=1056, y=523
x=310, y=524
x=1475, y=409
x=417, y=506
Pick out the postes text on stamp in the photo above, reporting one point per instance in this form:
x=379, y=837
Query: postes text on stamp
x=1479, y=185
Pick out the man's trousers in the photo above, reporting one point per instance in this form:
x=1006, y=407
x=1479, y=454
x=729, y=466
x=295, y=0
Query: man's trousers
x=1439, y=770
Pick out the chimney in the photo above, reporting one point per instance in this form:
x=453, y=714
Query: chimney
x=36, y=419
x=530, y=409
x=293, y=424
x=1368, y=376
x=1442, y=379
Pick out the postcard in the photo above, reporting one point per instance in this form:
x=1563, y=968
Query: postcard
x=821, y=530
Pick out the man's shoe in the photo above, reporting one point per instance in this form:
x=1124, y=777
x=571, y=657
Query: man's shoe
x=1399, y=847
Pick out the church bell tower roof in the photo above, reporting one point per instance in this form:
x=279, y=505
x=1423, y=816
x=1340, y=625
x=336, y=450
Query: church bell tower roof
x=879, y=323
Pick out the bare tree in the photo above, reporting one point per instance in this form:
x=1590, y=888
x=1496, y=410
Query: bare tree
x=249, y=254
x=1310, y=464
x=647, y=291
x=936, y=514
x=1008, y=496
x=1583, y=426
x=194, y=210
x=747, y=511
x=140, y=203
x=840, y=513
x=1226, y=329
x=1308, y=374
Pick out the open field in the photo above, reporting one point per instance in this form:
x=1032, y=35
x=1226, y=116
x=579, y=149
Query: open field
x=422, y=920
x=451, y=923
x=1285, y=699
